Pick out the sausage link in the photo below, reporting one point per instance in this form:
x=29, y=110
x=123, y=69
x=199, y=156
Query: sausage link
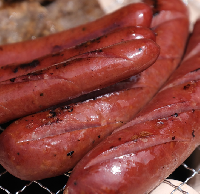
x=85, y=73
x=143, y=147
x=116, y=36
x=69, y=132
x=32, y=49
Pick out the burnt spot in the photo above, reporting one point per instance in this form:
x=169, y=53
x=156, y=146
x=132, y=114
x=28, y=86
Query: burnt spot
x=18, y=153
x=140, y=49
x=173, y=138
x=15, y=70
x=52, y=114
x=193, y=135
x=99, y=136
x=193, y=110
x=75, y=183
x=96, y=40
x=95, y=52
x=12, y=80
x=93, y=141
x=186, y=87
x=30, y=65
x=160, y=122
x=156, y=7
x=119, y=138
x=84, y=28
x=195, y=70
x=68, y=108
x=70, y=153
x=175, y=115
x=45, y=3
x=94, y=98
x=41, y=94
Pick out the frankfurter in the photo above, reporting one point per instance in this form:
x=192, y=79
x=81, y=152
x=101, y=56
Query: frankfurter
x=32, y=49
x=116, y=36
x=133, y=105
x=69, y=132
x=50, y=143
x=142, y=147
x=90, y=71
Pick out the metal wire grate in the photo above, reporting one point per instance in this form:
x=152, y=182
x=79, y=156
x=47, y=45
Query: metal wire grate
x=12, y=185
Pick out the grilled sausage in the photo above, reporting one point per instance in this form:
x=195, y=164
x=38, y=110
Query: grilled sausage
x=116, y=36
x=83, y=74
x=147, y=146
x=32, y=49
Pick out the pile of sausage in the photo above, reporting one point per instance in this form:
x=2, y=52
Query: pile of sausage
x=116, y=100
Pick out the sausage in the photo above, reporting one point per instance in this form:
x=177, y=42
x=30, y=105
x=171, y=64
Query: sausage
x=32, y=49
x=87, y=72
x=68, y=131
x=139, y=99
x=123, y=161
x=51, y=142
x=118, y=35
x=147, y=146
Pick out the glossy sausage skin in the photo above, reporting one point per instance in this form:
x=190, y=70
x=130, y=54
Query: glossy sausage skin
x=85, y=73
x=123, y=161
x=144, y=147
x=30, y=50
x=50, y=143
x=116, y=36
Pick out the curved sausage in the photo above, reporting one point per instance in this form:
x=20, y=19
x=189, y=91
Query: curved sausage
x=32, y=49
x=116, y=36
x=70, y=131
x=121, y=162
x=51, y=142
x=85, y=73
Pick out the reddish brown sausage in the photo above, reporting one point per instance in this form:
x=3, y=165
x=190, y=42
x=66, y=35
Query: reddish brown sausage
x=153, y=145
x=135, y=98
x=90, y=71
x=50, y=143
x=32, y=49
x=116, y=36
x=121, y=162
x=69, y=132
